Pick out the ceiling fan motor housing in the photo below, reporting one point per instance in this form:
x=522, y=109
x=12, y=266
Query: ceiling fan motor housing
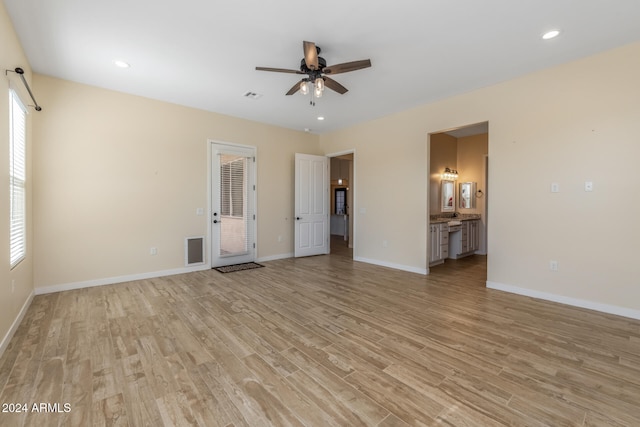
x=313, y=74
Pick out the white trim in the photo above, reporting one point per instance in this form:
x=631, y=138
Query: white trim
x=575, y=302
x=341, y=153
x=16, y=323
x=275, y=257
x=410, y=269
x=118, y=279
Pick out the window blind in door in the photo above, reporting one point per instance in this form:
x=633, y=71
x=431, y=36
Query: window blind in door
x=233, y=205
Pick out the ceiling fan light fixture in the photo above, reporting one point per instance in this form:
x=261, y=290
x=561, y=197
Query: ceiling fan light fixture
x=319, y=87
x=304, y=88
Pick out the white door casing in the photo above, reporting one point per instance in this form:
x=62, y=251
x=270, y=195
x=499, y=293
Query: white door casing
x=311, y=216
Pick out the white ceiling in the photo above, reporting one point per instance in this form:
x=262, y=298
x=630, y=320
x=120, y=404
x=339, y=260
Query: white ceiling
x=203, y=53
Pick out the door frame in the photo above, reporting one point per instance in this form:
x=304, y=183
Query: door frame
x=485, y=174
x=352, y=188
x=254, y=196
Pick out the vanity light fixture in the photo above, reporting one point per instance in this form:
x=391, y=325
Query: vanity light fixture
x=449, y=174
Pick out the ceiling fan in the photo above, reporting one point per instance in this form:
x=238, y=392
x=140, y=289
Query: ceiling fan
x=316, y=69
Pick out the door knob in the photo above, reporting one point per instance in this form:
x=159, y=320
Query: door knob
x=215, y=221
x=298, y=218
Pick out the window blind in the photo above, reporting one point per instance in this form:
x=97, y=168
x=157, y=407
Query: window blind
x=233, y=205
x=17, y=180
x=232, y=190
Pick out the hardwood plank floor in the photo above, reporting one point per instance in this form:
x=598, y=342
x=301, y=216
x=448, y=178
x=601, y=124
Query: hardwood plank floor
x=319, y=341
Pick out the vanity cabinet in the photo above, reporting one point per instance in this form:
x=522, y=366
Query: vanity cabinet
x=466, y=241
x=439, y=243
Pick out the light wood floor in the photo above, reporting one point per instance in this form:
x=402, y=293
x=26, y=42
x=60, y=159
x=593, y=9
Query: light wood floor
x=320, y=341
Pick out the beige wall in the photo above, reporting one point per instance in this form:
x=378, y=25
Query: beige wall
x=471, y=155
x=390, y=165
x=471, y=167
x=568, y=124
x=443, y=153
x=117, y=174
x=12, y=301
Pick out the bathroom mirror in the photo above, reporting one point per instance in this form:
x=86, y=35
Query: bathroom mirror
x=467, y=195
x=448, y=192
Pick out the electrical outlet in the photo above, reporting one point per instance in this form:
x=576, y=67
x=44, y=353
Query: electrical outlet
x=555, y=187
x=385, y=244
x=553, y=265
x=153, y=251
x=280, y=238
x=588, y=186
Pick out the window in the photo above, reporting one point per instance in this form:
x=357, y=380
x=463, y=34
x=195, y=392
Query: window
x=341, y=201
x=17, y=178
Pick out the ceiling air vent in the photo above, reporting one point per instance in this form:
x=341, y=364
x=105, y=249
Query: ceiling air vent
x=251, y=95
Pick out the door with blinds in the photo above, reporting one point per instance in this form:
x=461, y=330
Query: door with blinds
x=232, y=205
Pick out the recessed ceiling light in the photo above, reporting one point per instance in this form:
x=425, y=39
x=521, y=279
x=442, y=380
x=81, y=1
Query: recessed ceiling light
x=320, y=118
x=122, y=64
x=550, y=34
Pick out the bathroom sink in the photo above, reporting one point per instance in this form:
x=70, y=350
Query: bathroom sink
x=451, y=223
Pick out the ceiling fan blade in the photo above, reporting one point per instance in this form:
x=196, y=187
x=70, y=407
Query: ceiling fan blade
x=345, y=67
x=334, y=85
x=279, y=70
x=310, y=55
x=295, y=88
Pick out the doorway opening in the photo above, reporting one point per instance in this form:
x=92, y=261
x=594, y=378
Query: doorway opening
x=458, y=172
x=341, y=191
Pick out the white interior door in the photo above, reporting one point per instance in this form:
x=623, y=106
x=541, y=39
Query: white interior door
x=311, y=205
x=232, y=205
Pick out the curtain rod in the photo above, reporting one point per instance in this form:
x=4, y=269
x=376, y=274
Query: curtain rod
x=20, y=72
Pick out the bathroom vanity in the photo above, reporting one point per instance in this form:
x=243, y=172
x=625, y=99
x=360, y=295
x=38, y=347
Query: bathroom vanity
x=453, y=237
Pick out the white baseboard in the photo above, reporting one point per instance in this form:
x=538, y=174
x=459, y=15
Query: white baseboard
x=14, y=326
x=275, y=257
x=591, y=305
x=118, y=279
x=402, y=267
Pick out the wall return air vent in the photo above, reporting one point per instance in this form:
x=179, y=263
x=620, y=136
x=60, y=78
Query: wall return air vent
x=193, y=251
